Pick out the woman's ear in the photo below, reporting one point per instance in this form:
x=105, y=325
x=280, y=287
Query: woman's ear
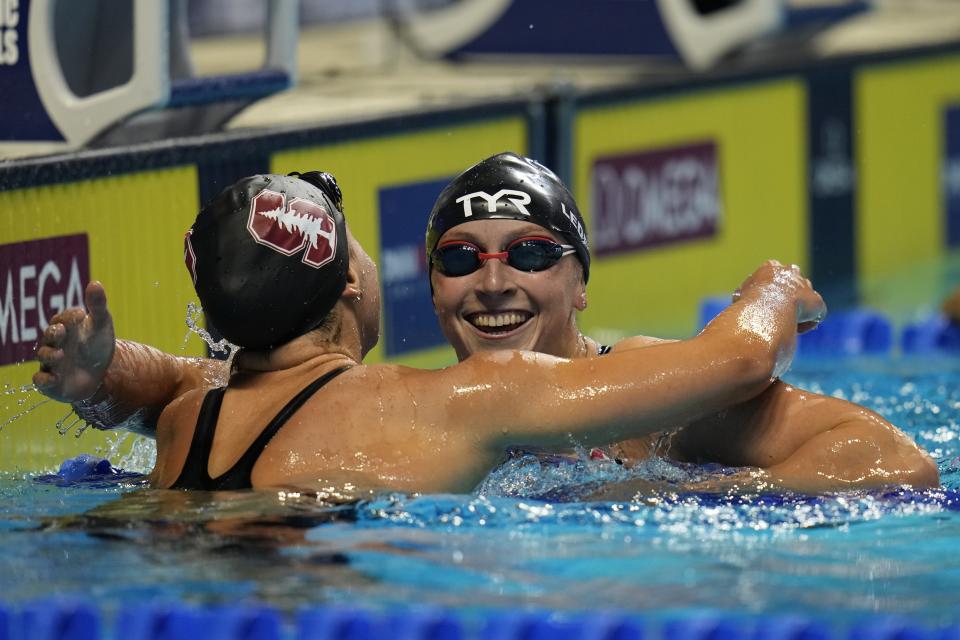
x=581, y=300
x=580, y=292
x=351, y=289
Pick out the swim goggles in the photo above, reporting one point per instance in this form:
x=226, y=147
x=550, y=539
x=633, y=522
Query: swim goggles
x=460, y=258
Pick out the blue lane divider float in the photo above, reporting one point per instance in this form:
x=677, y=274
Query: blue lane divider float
x=73, y=620
x=849, y=333
x=842, y=333
x=176, y=622
x=87, y=470
x=932, y=334
x=54, y=621
x=329, y=623
x=83, y=466
x=546, y=625
x=791, y=627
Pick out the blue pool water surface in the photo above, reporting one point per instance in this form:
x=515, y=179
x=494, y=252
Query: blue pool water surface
x=528, y=538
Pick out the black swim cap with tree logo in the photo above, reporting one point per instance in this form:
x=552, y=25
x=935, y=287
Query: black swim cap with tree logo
x=269, y=257
x=508, y=186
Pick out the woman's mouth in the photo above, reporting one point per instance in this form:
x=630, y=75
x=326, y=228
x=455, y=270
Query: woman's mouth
x=498, y=324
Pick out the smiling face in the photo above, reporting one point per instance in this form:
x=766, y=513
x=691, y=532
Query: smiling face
x=499, y=307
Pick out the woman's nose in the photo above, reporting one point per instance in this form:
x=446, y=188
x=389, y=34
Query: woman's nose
x=496, y=277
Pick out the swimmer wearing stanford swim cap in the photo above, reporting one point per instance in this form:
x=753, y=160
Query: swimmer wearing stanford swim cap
x=527, y=298
x=325, y=419
x=252, y=292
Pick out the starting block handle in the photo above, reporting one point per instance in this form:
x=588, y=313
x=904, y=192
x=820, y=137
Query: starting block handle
x=279, y=70
x=702, y=39
x=283, y=26
x=81, y=118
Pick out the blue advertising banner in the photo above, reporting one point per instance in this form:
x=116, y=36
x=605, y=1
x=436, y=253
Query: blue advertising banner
x=951, y=174
x=22, y=114
x=409, y=321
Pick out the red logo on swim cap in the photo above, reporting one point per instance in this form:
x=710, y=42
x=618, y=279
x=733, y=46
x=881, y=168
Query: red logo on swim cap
x=189, y=257
x=287, y=229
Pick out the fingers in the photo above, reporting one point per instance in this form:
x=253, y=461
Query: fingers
x=803, y=327
x=49, y=357
x=52, y=336
x=811, y=308
x=44, y=380
x=95, y=298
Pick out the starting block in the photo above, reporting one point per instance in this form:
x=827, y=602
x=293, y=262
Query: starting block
x=71, y=71
x=694, y=33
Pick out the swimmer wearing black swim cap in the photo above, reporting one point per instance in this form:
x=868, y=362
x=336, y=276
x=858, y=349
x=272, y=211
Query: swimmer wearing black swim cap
x=511, y=187
x=269, y=257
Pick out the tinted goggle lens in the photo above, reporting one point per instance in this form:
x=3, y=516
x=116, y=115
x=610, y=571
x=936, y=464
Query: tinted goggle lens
x=526, y=254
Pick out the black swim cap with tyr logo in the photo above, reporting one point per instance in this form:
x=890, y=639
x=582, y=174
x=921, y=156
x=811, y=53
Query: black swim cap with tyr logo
x=508, y=186
x=269, y=257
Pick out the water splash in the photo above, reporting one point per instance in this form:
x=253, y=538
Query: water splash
x=61, y=429
x=141, y=457
x=31, y=408
x=194, y=319
x=9, y=389
x=22, y=391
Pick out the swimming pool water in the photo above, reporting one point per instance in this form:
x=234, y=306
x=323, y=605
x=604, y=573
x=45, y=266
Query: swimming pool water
x=666, y=553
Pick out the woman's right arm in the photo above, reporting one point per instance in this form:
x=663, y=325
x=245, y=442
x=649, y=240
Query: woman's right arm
x=113, y=383
x=537, y=400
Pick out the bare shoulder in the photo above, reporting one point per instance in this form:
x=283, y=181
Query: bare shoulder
x=639, y=342
x=187, y=402
x=485, y=384
x=504, y=364
x=174, y=434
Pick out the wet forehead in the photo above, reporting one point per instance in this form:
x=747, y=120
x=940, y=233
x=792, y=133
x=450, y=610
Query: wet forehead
x=496, y=232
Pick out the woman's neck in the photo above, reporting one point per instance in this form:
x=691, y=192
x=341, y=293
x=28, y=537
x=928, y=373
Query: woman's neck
x=305, y=350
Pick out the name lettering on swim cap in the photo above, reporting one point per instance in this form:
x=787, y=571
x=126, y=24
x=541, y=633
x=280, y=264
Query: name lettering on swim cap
x=519, y=199
x=575, y=221
x=287, y=229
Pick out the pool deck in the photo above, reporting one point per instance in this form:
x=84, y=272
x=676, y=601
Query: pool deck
x=361, y=70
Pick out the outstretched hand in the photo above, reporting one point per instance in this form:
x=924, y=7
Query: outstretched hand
x=811, y=308
x=76, y=349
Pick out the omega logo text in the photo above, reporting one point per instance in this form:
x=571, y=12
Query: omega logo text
x=655, y=197
x=38, y=279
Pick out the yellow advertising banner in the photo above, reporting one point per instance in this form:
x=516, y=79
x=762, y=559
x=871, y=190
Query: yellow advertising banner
x=126, y=231
x=901, y=109
x=684, y=196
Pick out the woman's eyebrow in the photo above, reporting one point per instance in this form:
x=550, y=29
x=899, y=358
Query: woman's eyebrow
x=459, y=236
x=532, y=230
x=468, y=236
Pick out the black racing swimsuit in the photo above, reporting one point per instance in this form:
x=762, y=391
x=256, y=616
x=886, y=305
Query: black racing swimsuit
x=195, y=474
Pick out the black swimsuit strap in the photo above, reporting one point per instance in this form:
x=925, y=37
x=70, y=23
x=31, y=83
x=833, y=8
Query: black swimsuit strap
x=238, y=476
x=195, y=474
